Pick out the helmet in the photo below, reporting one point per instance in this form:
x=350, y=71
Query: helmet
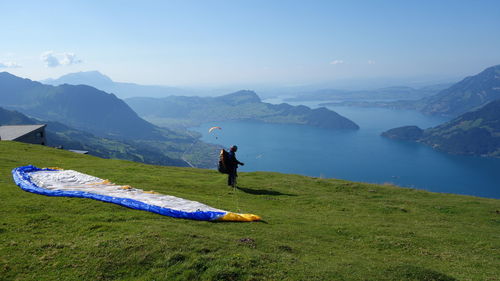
x=234, y=148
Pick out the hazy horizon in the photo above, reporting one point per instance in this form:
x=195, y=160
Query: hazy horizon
x=341, y=84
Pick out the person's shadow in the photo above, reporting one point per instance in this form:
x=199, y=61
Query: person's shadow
x=263, y=192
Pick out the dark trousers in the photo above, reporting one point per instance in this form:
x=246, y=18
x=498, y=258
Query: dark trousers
x=231, y=177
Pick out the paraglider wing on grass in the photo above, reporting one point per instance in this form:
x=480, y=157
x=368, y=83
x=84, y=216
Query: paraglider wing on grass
x=69, y=183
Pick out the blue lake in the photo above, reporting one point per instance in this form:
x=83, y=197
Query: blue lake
x=361, y=155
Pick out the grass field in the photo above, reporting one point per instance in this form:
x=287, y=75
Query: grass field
x=314, y=229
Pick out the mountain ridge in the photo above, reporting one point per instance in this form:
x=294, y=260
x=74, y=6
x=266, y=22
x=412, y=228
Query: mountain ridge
x=470, y=93
x=105, y=116
x=79, y=106
x=241, y=105
x=386, y=93
x=63, y=136
x=473, y=133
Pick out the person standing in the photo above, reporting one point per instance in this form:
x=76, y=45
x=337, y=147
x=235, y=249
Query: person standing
x=232, y=166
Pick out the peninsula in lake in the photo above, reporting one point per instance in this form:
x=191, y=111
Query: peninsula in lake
x=241, y=105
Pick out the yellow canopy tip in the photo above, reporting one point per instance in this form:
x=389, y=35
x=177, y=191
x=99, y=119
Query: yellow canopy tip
x=239, y=217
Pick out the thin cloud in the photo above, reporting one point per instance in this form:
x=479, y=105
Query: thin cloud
x=69, y=59
x=49, y=59
x=52, y=59
x=371, y=62
x=337, y=62
x=9, y=64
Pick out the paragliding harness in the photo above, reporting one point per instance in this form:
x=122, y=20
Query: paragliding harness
x=223, y=158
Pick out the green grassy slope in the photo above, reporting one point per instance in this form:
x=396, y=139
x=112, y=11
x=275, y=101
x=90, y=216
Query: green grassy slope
x=315, y=229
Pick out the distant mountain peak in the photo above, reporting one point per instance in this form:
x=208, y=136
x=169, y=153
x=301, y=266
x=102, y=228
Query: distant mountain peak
x=6, y=74
x=85, y=75
x=239, y=97
x=242, y=93
x=102, y=82
x=493, y=72
x=12, y=83
x=493, y=68
x=93, y=78
x=9, y=76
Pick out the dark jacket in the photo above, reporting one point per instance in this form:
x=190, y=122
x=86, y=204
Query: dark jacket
x=232, y=162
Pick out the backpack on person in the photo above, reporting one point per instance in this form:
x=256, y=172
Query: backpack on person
x=222, y=166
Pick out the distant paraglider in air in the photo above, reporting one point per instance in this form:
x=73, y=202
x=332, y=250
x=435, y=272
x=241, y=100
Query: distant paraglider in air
x=214, y=128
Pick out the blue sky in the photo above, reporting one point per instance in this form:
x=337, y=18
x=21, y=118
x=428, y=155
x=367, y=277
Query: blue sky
x=279, y=43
